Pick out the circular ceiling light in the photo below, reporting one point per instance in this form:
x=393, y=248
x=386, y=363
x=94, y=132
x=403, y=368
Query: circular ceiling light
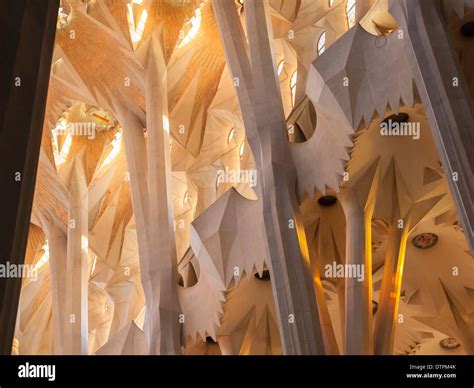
x=449, y=343
x=327, y=200
x=265, y=275
x=399, y=118
x=424, y=240
x=467, y=29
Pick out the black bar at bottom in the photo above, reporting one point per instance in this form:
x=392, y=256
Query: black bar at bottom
x=317, y=371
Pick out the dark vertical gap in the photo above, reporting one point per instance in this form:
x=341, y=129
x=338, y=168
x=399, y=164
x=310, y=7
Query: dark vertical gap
x=27, y=30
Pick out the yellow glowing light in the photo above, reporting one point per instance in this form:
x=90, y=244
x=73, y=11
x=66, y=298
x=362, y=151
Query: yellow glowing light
x=195, y=25
x=302, y=241
x=116, y=144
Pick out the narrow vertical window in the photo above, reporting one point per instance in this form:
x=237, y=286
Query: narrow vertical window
x=351, y=12
x=293, y=79
x=321, y=43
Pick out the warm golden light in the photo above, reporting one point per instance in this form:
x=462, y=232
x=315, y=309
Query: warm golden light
x=195, y=26
x=384, y=23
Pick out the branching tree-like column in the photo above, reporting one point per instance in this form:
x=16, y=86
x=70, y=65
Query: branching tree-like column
x=258, y=92
x=400, y=225
x=162, y=269
x=358, y=203
x=150, y=180
x=329, y=338
x=389, y=297
x=77, y=277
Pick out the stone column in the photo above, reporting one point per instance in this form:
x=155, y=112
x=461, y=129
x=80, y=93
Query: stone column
x=77, y=277
x=150, y=182
x=160, y=279
x=386, y=321
x=57, y=243
x=358, y=294
x=341, y=298
x=329, y=338
x=260, y=102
